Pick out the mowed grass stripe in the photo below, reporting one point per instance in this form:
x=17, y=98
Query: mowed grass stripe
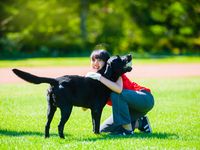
x=85, y=61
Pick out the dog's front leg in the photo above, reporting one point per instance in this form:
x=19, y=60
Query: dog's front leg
x=96, y=117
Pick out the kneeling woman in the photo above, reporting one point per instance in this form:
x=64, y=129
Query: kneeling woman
x=130, y=101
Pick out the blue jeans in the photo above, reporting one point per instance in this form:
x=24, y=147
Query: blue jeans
x=128, y=106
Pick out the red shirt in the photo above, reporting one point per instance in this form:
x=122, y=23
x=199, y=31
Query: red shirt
x=129, y=85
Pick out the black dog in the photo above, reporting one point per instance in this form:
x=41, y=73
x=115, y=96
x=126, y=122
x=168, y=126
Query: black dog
x=72, y=90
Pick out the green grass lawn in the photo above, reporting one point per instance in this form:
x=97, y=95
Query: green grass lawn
x=175, y=120
x=84, y=61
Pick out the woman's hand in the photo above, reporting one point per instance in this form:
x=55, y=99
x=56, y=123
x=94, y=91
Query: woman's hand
x=93, y=75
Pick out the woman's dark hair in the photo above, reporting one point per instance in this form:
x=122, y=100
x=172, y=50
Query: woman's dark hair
x=100, y=54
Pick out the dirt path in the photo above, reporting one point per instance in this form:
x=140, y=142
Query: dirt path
x=139, y=71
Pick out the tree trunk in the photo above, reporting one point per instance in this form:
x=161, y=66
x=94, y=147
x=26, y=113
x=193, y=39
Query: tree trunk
x=83, y=15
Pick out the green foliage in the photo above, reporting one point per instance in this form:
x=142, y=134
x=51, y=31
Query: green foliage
x=55, y=28
x=174, y=119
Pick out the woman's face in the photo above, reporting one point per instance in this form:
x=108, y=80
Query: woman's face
x=97, y=64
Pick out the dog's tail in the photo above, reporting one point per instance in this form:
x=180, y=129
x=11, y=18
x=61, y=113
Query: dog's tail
x=33, y=78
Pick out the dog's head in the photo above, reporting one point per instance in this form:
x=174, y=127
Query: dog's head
x=116, y=66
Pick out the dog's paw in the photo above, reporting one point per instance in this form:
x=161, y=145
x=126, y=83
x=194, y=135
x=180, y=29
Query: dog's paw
x=96, y=132
x=46, y=136
x=62, y=136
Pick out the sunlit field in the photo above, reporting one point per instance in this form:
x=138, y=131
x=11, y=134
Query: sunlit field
x=174, y=119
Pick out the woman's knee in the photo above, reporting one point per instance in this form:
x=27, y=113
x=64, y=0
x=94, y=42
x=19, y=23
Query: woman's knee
x=150, y=102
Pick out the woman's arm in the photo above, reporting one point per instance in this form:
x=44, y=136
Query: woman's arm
x=114, y=86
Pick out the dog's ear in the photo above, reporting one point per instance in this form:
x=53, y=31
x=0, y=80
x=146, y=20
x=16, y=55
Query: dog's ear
x=108, y=72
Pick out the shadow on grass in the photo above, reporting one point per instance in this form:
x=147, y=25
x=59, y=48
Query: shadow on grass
x=92, y=139
x=135, y=136
x=23, y=133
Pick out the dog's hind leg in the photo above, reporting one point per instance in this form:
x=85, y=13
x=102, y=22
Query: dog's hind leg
x=50, y=113
x=65, y=113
